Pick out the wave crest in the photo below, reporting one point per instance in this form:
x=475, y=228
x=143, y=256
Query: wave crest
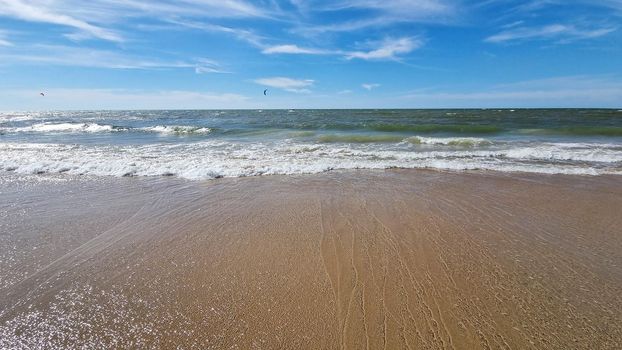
x=65, y=128
x=95, y=128
x=177, y=129
x=449, y=141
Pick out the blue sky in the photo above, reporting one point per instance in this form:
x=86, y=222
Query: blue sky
x=309, y=54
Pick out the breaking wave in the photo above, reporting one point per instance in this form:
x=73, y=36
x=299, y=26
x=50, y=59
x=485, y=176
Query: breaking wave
x=359, y=138
x=177, y=129
x=212, y=159
x=449, y=141
x=95, y=128
x=64, y=128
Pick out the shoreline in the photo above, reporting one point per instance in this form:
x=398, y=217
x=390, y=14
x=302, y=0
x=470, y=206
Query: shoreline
x=342, y=259
x=518, y=174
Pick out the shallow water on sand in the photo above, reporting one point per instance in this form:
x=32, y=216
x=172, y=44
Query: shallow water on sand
x=394, y=259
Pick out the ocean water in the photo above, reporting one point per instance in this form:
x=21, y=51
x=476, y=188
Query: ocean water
x=232, y=143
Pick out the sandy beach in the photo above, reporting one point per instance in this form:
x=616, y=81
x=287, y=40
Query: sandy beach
x=396, y=259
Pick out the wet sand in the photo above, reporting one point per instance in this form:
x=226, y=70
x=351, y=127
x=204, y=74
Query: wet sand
x=363, y=259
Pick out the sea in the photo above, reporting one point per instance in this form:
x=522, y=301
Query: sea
x=207, y=144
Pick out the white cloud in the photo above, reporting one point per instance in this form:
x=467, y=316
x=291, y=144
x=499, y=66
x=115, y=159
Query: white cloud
x=369, y=87
x=564, y=33
x=287, y=84
x=108, y=19
x=37, y=12
x=292, y=49
x=204, y=66
x=93, y=18
x=202, y=69
x=388, y=49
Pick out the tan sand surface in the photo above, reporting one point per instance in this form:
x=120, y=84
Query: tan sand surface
x=397, y=259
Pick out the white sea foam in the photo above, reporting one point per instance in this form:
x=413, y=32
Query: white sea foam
x=177, y=129
x=49, y=127
x=210, y=159
x=63, y=128
x=449, y=141
x=578, y=152
x=16, y=117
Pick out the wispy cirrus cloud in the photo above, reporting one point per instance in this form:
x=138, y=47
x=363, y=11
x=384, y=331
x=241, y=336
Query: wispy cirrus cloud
x=398, y=10
x=560, y=32
x=287, y=84
x=538, y=5
x=230, y=7
x=396, y=6
x=95, y=18
x=558, y=21
x=3, y=39
x=38, y=12
x=96, y=58
x=366, y=14
x=307, y=29
x=246, y=35
x=206, y=66
x=612, y=4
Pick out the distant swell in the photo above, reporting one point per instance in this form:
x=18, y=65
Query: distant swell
x=437, y=128
x=577, y=131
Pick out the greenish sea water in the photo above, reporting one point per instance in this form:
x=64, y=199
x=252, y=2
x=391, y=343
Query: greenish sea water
x=205, y=144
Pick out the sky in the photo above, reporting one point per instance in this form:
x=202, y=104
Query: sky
x=214, y=54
